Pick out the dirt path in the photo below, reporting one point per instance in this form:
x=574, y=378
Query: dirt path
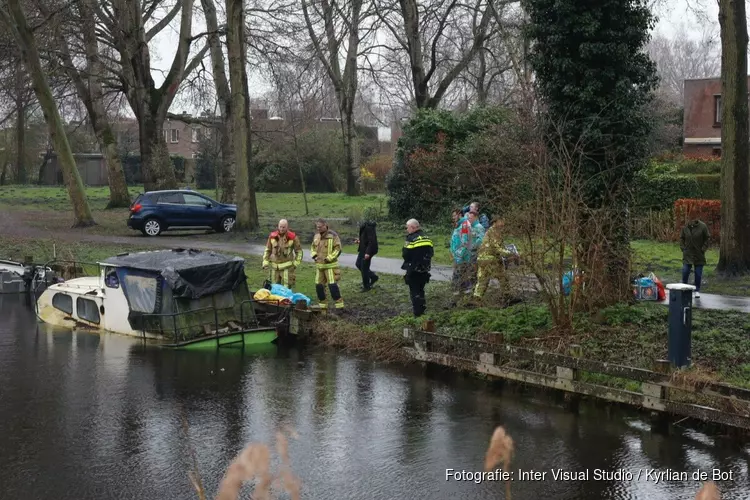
x=15, y=226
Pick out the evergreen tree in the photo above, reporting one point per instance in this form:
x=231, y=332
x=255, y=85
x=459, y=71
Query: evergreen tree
x=596, y=81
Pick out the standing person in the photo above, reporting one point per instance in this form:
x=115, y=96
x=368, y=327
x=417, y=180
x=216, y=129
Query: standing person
x=417, y=254
x=694, y=241
x=459, y=252
x=490, y=261
x=325, y=251
x=475, y=237
x=368, y=248
x=283, y=254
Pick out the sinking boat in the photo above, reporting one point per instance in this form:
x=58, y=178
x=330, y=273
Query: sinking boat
x=20, y=277
x=180, y=298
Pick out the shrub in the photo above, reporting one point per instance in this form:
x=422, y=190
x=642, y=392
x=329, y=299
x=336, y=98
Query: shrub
x=378, y=166
x=445, y=159
x=709, y=211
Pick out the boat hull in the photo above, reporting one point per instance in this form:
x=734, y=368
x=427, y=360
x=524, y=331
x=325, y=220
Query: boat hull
x=251, y=337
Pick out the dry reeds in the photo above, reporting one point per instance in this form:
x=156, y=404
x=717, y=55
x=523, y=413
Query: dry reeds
x=500, y=451
x=254, y=463
x=709, y=491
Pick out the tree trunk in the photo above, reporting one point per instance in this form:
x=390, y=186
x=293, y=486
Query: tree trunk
x=20, y=126
x=227, y=180
x=734, y=254
x=156, y=165
x=351, y=148
x=252, y=201
x=26, y=41
x=119, y=197
x=247, y=216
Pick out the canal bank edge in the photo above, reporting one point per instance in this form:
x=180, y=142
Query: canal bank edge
x=666, y=391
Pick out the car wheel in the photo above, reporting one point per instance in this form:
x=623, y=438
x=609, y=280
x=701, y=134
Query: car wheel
x=227, y=223
x=152, y=227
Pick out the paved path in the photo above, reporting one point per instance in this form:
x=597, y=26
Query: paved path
x=379, y=264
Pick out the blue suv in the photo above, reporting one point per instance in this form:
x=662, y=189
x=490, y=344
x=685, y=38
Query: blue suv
x=156, y=211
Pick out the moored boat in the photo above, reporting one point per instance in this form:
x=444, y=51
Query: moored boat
x=23, y=277
x=180, y=298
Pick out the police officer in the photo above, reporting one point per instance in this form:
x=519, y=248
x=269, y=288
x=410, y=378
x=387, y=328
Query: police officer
x=417, y=254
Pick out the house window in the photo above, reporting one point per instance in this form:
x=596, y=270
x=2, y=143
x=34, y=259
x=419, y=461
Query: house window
x=164, y=133
x=86, y=309
x=175, y=137
x=196, y=135
x=716, y=152
x=63, y=302
x=717, y=110
x=194, y=155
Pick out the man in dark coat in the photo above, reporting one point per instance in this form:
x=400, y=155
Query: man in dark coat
x=417, y=253
x=368, y=247
x=694, y=241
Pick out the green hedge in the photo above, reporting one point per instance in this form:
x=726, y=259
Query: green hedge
x=709, y=186
x=660, y=191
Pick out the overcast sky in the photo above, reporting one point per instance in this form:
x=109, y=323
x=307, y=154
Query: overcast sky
x=673, y=16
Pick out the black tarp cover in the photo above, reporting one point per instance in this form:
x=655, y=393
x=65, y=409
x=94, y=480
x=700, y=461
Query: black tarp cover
x=191, y=274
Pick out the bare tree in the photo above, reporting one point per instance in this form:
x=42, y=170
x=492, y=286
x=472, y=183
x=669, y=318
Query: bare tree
x=15, y=20
x=89, y=86
x=124, y=23
x=334, y=30
x=683, y=57
x=426, y=35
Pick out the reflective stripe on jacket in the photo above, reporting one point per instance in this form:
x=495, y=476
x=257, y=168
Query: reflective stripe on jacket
x=282, y=251
x=325, y=250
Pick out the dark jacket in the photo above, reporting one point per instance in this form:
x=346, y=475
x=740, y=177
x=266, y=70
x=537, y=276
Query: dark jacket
x=694, y=240
x=368, y=238
x=417, y=253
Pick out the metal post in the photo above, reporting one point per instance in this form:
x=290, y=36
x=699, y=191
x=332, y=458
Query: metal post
x=679, y=349
x=216, y=325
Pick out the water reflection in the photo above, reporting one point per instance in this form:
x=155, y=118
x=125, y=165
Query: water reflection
x=95, y=416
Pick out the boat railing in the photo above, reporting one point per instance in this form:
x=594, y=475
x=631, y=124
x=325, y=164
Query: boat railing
x=73, y=268
x=174, y=316
x=182, y=326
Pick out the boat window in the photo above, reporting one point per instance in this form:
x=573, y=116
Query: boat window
x=63, y=302
x=111, y=279
x=88, y=310
x=141, y=293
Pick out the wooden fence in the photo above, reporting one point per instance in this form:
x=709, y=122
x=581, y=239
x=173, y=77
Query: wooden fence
x=662, y=390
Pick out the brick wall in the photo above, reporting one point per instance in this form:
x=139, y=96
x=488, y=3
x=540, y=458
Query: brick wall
x=701, y=121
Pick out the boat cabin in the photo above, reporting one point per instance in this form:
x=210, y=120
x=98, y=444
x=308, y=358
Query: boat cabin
x=173, y=295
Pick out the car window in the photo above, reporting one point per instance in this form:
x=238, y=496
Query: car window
x=174, y=198
x=194, y=199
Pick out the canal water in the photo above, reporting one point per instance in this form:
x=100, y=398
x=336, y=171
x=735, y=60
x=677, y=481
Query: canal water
x=88, y=416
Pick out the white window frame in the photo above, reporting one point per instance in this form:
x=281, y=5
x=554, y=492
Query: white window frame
x=718, y=102
x=195, y=134
x=174, y=136
x=164, y=133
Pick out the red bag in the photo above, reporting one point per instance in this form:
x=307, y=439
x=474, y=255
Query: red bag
x=662, y=291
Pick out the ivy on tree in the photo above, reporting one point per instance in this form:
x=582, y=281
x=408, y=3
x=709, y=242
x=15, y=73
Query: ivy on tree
x=596, y=81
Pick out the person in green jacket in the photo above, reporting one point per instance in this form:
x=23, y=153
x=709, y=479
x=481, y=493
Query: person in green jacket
x=694, y=240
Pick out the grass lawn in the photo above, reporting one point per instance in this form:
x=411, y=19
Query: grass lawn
x=49, y=208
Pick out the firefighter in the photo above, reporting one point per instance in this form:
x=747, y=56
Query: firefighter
x=490, y=261
x=283, y=254
x=417, y=253
x=325, y=250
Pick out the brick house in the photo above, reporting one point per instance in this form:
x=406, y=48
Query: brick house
x=702, y=118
